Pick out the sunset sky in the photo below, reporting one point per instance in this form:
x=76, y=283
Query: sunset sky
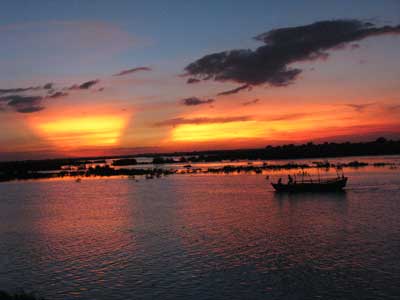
x=83, y=78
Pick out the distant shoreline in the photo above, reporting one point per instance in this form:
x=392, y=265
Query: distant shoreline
x=163, y=164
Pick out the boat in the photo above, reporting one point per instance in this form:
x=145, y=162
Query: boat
x=325, y=185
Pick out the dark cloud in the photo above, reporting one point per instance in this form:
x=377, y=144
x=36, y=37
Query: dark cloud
x=57, y=95
x=196, y=101
x=251, y=102
x=23, y=104
x=19, y=90
x=197, y=121
x=18, y=100
x=88, y=84
x=84, y=86
x=133, y=70
x=360, y=107
x=48, y=86
x=270, y=63
x=192, y=80
x=236, y=90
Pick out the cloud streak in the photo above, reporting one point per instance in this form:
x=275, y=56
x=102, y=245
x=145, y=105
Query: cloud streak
x=47, y=86
x=84, y=86
x=193, y=101
x=197, y=121
x=205, y=120
x=133, y=70
x=360, y=107
x=236, y=90
x=192, y=80
x=271, y=63
x=251, y=102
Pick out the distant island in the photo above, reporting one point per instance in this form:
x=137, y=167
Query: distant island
x=98, y=166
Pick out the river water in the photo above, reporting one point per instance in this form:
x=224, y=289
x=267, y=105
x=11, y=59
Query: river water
x=201, y=237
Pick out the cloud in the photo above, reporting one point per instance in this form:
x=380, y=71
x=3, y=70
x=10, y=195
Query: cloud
x=133, y=70
x=286, y=117
x=192, y=80
x=192, y=101
x=23, y=104
x=360, y=107
x=17, y=99
x=57, y=95
x=251, y=102
x=21, y=90
x=27, y=103
x=197, y=121
x=48, y=86
x=84, y=86
x=271, y=63
x=236, y=90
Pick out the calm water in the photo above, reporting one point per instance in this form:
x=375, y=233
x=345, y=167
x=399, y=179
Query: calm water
x=201, y=237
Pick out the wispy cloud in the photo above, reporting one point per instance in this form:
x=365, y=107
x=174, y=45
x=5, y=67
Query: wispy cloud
x=246, y=118
x=30, y=99
x=360, y=107
x=133, y=70
x=193, y=101
x=236, y=90
x=57, y=95
x=26, y=89
x=192, y=80
x=84, y=86
x=197, y=121
x=251, y=102
x=285, y=117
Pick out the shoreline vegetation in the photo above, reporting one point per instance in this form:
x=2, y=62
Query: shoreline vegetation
x=163, y=163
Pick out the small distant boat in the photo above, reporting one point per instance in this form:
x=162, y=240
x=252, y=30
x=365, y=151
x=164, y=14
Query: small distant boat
x=325, y=185
x=78, y=179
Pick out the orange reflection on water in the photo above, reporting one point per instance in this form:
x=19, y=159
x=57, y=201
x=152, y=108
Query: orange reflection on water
x=83, y=230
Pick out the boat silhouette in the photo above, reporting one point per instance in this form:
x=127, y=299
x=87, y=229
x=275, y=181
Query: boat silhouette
x=324, y=185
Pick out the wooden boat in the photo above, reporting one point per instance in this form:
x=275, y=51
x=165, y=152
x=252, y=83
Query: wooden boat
x=327, y=185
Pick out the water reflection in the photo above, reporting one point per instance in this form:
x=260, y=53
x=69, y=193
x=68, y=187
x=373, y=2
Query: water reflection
x=77, y=235
x=339, y=196
x=200, y=237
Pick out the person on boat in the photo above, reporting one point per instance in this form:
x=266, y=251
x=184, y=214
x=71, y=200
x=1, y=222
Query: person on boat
x=290, y=179
x=280, y=181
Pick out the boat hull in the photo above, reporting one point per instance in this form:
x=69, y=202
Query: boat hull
x=328, y=186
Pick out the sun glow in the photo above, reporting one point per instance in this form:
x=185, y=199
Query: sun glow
x=218, y=131
x=88, y=131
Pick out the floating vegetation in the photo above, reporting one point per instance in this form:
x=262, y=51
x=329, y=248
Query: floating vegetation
x=157, y=172
x=124, y=162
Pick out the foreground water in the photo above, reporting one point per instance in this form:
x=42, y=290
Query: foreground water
x=201, y=237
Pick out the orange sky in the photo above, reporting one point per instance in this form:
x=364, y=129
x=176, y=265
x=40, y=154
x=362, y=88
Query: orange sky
x=352, y=93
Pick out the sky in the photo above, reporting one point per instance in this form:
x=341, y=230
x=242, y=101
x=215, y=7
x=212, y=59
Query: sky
x=86, y=78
